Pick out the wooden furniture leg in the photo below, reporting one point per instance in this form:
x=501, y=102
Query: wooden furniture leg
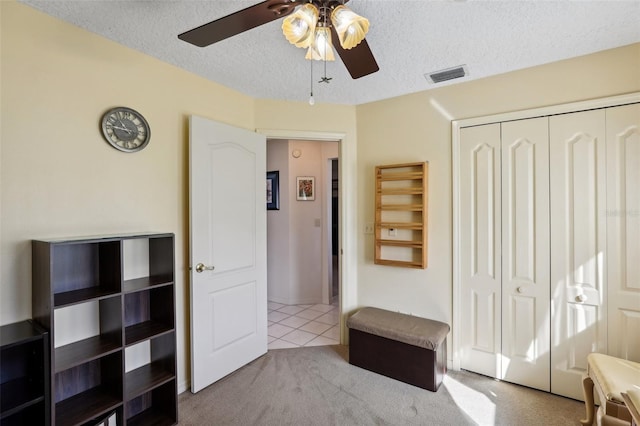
x=587, y=388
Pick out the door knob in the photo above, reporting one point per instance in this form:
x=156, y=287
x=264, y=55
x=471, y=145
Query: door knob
x=520, y=289
x=581, y=298
x=201, y=267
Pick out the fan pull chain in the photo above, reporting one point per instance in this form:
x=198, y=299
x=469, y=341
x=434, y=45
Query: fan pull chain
x=325, y=79
x=311, y=100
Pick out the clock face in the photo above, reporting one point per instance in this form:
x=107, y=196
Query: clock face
x=125, y=129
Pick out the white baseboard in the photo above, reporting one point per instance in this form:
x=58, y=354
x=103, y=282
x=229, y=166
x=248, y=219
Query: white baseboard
x=184, y=386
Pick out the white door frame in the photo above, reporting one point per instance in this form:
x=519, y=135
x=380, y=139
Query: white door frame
x=348, y=213
x=456, y=125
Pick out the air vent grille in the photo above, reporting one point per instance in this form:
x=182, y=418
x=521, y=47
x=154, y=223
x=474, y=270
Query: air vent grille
x=448, y=74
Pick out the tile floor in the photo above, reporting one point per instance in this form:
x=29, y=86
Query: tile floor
x=292, y=326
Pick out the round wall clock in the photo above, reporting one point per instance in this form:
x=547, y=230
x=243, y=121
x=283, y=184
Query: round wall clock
x=125, y=129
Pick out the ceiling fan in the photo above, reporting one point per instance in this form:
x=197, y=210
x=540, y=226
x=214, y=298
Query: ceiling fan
x=309, y=24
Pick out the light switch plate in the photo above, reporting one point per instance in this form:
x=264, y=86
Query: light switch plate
x=368, y=228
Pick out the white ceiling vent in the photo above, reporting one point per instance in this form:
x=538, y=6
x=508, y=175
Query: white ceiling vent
x=448, y=74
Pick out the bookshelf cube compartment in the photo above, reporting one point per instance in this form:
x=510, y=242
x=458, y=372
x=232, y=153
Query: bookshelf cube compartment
x=149, y=364
x=149, y=387
x=148, y=262
x=82, y=271
x=88, y=390
x=22, y=377
x=24, y=374
x=101, y=333
x=32, y=415
x=148, y=313
x=160, y=351
x=154, y=407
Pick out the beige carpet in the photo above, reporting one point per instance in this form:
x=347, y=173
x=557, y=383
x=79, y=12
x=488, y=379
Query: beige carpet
x=317, y=386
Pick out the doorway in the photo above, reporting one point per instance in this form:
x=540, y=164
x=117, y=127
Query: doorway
x=303, y=245
x=335, y=220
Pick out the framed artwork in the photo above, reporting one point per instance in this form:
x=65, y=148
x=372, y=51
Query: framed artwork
x=273, y=190
x=306, y=188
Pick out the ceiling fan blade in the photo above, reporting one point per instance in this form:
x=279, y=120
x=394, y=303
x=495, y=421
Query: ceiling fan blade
x=239, y=22
x=359, y=60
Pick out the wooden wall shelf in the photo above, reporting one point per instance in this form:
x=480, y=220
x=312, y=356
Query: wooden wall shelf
x=401, y=215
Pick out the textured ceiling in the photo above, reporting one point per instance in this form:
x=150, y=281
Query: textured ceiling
x=408, y=38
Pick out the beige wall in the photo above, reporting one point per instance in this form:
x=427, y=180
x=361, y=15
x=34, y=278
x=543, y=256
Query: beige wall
x=418, y=128
x=278, y=247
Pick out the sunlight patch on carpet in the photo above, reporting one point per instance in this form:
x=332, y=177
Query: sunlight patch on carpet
x=475, y=404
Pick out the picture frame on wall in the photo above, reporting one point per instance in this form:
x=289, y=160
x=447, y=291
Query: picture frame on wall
x=273, y=190
x=305, y=188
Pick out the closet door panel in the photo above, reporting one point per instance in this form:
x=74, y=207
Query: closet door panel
x=480, y=249
x=623, y=230
x=578, y=244
x=525, y=253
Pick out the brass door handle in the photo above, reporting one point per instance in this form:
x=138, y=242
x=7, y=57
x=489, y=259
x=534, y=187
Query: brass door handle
x=201, y=267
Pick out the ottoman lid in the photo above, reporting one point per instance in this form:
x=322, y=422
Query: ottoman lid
x=416, y=331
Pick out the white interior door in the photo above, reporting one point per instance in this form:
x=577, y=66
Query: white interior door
x=228, y=249
x=480, y=247
x=578, y=243
x=525, y=253
x=623, y=231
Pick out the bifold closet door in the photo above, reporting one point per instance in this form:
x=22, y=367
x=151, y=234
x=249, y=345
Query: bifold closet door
x=480, y=210
x=549, y=245
x=623, y=231
x=578, y=246
x=525, y=253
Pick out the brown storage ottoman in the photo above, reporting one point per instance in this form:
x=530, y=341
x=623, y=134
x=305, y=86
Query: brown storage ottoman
x=403, y=347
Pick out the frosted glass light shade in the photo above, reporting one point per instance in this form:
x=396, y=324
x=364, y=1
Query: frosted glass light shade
x=321, y=48
x=298, y=28
x=351, y=27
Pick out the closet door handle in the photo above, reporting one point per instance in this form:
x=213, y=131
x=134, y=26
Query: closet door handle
x=520, y=290
x=581, y=298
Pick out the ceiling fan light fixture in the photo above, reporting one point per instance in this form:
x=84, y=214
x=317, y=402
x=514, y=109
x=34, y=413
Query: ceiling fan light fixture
x=351, y=27
x=299, y=20
x=299, y=27
x=321, y=48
